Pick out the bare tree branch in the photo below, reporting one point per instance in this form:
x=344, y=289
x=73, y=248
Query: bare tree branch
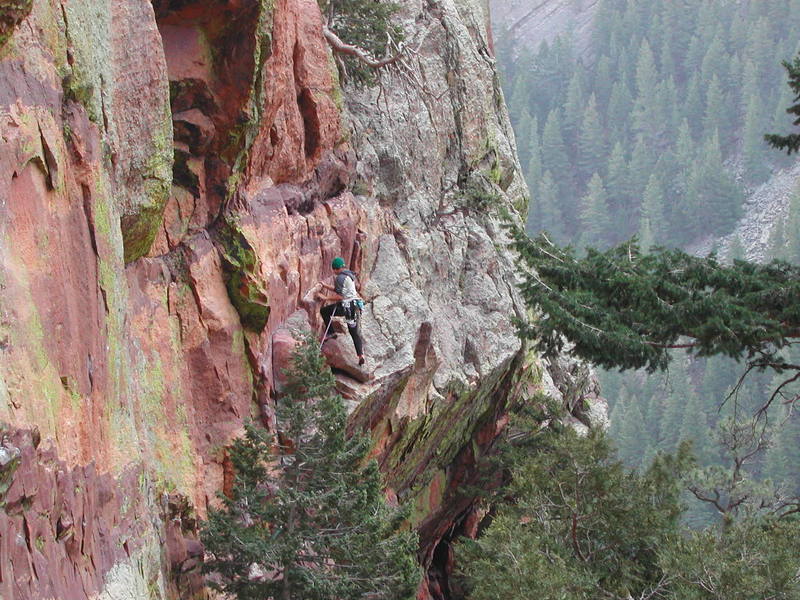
x=339, y=46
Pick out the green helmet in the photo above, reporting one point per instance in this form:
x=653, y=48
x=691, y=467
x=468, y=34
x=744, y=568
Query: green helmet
x=337, y=263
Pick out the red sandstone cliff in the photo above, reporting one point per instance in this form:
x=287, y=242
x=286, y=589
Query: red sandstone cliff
x=175, y=177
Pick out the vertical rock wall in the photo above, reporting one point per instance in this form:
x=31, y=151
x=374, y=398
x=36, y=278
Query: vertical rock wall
x=175, y=179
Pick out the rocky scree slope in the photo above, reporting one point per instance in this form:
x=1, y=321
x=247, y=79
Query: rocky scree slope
x=175, y=178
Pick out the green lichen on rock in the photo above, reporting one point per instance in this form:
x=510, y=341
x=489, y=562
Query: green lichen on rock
x=425, y=448
x=12, y=12
x=81, y=92
x=137, y=151
x=139, y=231
x=87, y=29
x=140, y=227
x=167, y=434
x=433, y=440
x=242, y=278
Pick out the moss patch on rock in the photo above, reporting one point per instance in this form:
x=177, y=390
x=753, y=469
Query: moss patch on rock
x=240, y=266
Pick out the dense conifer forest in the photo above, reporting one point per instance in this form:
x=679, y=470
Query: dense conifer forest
x=658, y=132
x=655, y=132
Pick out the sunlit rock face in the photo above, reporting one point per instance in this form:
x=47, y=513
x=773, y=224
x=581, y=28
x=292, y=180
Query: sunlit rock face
x=175, y=179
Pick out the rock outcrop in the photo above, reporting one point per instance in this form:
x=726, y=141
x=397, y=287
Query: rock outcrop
x=176, y=177
x=526, y=24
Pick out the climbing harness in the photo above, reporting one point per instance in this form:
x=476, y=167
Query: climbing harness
x=351, y=309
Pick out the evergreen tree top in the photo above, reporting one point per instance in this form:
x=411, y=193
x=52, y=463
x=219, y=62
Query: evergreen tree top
x=307, y=518
x=625, y=309
x=791, y=142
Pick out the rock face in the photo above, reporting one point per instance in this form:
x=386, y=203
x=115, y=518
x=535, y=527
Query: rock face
x=176, y=177
x=528, y=24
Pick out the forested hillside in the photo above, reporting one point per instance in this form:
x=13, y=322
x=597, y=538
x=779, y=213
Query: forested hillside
x=659, y=134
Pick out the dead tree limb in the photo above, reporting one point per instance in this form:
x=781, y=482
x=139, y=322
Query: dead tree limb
x=350, y=50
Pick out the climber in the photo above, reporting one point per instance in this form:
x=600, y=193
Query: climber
x=346, y=303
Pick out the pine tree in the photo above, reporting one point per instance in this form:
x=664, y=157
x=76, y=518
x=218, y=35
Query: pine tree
x=646, y=119
x=794, y=15
x=714, y=62
x=602, y=83
x=646, y=237
x=324, y=532
x=591, y=147
x=714, y=118
x=694, y=57
x=618, y=183
x=632, y=438
x=669, y=110
x=545, y=79
x=666, y=61
x=624, y=309
x=791, y=141
x=719, y=376
x=563, y=60
x=739, y=30
x=618, y=404
x=694, y=107
x=619, y=109
x=695, y=429
x=683, y=224
x=708, y=22
x=535, y=168
x=753, y=146
x=714, y=191
x=573, y=110
x=749, y=87
x=735, y=83
x=752, y=558
x=678, y=23
x=652, y=214
x=523, y=134
x=547, y=216
x=603, y=27
x=595, y=221
x=580, y=525
x=680, y=394
x=518, y=101
x=643, y=163
x=759, y=49
x=685, y=147
x=555, y=158
x=626, y=67
x=736, y=250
